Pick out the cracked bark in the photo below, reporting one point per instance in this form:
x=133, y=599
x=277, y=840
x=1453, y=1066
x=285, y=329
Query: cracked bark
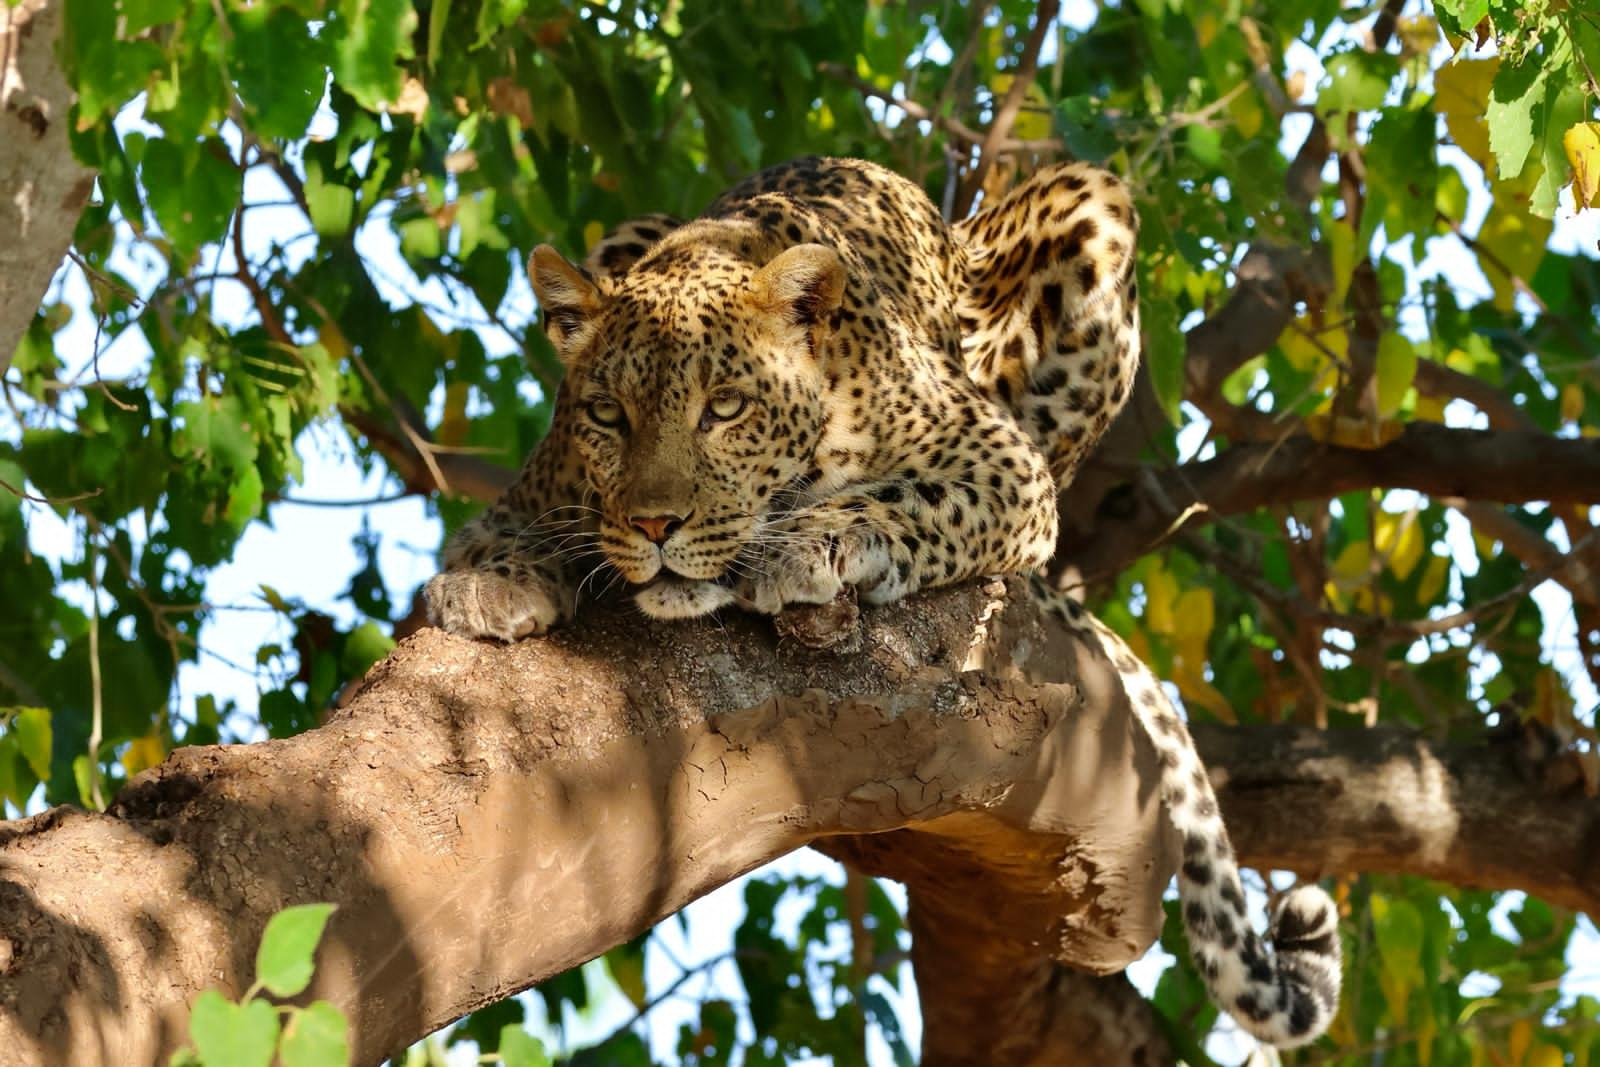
x=45, y=187
x=487, y=817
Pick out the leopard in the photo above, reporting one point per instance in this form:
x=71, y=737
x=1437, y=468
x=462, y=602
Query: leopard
x=819, y=387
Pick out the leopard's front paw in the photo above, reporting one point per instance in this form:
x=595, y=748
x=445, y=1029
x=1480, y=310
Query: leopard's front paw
x=682, y=598
x=477, y=603
x=804, y=572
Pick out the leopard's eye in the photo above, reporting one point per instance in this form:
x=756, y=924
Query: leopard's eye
x=724, y=404
x=606, y=412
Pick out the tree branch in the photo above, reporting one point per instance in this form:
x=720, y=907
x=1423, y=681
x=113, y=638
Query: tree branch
x=486, y=817
x=1000, y=126
x=1506, y=466
x=45, y=186
x=463, y=474
x=1508, y=812
x=950, y=125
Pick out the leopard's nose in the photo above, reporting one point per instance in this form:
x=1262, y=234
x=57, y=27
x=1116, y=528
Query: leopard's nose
x=657, y=527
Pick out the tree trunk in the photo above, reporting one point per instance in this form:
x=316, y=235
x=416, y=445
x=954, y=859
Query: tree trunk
x=487, y=817
x=45, y=188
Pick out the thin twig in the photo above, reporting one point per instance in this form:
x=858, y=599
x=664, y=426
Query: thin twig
x=97, y=701
x=1000, y=127
x=58, y=501
x=954, y=127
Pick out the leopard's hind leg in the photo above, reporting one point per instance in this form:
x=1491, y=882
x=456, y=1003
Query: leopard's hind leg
x=1049, y=306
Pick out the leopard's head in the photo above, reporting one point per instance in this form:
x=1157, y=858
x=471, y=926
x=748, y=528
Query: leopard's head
x=695, y=391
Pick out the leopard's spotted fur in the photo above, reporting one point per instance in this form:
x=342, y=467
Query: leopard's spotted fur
x=820, y=384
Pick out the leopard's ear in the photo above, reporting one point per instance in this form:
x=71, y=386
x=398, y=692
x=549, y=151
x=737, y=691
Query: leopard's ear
x=567, y=296
x=804, y=283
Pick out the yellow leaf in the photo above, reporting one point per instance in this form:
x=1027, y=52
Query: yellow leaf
x=142, y=753
x=1427, y=1028
x=1354, y=562
x=1571, y=402
x=1191, y=681
x=1488, y=547
x=1546, y=1056
x=1348, y=432
x=1461, y=94
x=1033, y=118
x=1140, y=644
x=1194, y=615
x=453, y=423
x=1418, y=34
x=1433, y=579
x=1205, y=29
x=1517, y=240
x=1341, y=238
x=1429, y=409
x=1161, y=595
x=1397, y=365
x=1518, y=1041
x=1399, y=539
x=592, y=233
x=1551, y=701
x=1582, y=143
x=1300, y=347
x=1247, y=114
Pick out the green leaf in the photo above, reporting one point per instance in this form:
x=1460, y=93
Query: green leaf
x=1397, y=365
x=518, y=1048
x=1512, y=98
x=192, y=189
x=288, y=947
x=140, y=15
x=332, y=207
x=1205, y=145
x=366, y=645
x=316, y=1036
x=215, y=433
x=1164, y=345
x=233, y=1035
x=438, y=18
x=419, y=238
x=1460, y=16
x=280, y=68
x=32, y=730
x=83, y=778
x=10, y=788
x=373, y=37
x=1566, y=104
x=1357, y=81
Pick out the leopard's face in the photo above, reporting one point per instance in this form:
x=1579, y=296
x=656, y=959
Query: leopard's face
x=695, y=407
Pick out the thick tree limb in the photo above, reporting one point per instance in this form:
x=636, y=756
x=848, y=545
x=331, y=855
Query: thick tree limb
x=486, y=817
x=1506, y=813
x=1505, y=466
x=45, y=187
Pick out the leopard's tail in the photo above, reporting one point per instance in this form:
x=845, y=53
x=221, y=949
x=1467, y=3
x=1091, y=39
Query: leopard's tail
x=1285, y=993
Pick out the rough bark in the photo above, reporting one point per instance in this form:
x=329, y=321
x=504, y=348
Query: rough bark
x=45, y=188
x=1504, y=812
x=486, y=817
x=1506, y=466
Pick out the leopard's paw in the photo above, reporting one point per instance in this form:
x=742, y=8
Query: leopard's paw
x=477, y=603
x=682, y=598
x=804, y=572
